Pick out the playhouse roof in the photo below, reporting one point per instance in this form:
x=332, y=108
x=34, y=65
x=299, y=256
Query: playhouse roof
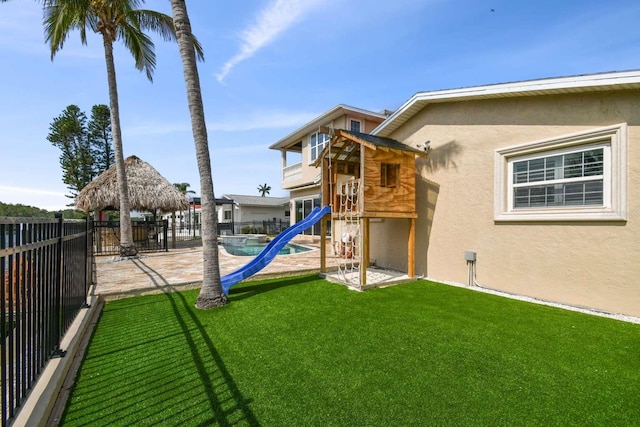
x=343, y=138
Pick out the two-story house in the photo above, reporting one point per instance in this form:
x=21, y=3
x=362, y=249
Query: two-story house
x=301, y=149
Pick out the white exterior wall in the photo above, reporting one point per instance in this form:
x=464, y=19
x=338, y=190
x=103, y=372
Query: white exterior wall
x=593, y=264
x=259, y=213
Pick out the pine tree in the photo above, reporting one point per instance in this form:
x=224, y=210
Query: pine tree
x=69, y=133
x=100, y=138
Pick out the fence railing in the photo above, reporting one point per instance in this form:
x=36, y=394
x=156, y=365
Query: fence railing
x=270, y=227
x=188, y=233
x=46, y=267
x=148, y=236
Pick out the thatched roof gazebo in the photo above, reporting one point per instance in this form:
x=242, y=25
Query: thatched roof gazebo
x=148, y=190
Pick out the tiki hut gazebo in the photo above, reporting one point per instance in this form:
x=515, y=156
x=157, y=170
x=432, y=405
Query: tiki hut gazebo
x=148, y=191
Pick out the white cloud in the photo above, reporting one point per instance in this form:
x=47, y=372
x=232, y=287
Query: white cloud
x=38, y=197
x=156, y=128
x=262, y=120
x=271, y=21
x=7, y=189
x=245, y=122
x=21, y=28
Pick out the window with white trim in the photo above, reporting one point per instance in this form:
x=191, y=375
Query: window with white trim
x=355, y=125
x=560, y=179
x=575, y=177
x=318, y=141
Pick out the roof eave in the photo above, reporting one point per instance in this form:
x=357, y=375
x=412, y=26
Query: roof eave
x=552, y=86
x=332, y=114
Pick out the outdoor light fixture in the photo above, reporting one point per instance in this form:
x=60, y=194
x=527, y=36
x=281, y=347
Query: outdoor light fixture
x=426, y=146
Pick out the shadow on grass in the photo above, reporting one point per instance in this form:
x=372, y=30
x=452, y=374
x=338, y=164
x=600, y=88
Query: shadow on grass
x=221, y=411
x=248, y=291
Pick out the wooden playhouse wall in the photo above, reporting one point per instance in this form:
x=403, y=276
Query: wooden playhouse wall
x=379, y=200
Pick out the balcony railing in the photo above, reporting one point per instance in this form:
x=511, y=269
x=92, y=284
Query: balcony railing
x=292, y=173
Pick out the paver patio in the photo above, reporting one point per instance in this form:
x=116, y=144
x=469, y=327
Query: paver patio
x=182, y=269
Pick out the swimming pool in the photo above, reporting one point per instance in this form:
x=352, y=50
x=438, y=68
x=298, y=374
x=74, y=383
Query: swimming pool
x=253, y=249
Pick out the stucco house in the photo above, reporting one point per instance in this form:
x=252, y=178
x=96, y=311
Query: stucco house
x=241, y=210
x=530, y=188
x=252, y=208
x=300, y=149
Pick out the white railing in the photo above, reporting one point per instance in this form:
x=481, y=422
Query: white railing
x=292, y=172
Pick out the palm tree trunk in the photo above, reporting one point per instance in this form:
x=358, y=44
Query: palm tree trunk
x=211, y=294
x=127, y=247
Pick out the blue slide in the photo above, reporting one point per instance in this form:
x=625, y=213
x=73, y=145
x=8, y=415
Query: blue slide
x=271, y=250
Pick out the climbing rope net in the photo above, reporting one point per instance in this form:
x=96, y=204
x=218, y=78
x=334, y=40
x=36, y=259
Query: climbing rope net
x=347, y=241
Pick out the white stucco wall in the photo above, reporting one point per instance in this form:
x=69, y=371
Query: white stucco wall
x=592, y=264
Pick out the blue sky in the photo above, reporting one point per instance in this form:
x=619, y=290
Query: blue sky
x=273, y=65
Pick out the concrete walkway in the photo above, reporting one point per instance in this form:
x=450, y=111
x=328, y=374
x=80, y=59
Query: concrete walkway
x=182, y=269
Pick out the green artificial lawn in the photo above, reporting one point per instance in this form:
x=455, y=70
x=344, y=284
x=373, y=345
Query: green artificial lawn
x=304, y=352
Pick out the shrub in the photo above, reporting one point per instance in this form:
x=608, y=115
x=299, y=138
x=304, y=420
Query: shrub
x=249, y=229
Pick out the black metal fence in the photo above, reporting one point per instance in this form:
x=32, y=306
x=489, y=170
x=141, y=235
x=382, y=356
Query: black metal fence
x=148, y=236
x=186, y=233
x=46, y=267
x=189, y=234
x=270, y=227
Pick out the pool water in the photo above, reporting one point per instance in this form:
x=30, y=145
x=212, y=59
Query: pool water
x=255, y=248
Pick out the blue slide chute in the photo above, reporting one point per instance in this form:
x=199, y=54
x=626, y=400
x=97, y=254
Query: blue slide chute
x=271, y=250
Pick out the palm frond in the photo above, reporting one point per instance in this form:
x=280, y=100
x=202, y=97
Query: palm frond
x=156, y=22
x=60, y=18
x=122, y=16
x=162, y=24
x=141, y=47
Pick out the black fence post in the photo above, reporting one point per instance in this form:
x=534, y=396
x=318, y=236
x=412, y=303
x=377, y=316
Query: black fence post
x=4, y=331
x=59, y=272
x=88, y=251
x=165, y=235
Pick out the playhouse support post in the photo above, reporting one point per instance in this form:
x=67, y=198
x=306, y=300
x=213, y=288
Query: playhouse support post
x=323, y=244
x=365, y=243
x=364, y=255
x=411, y=248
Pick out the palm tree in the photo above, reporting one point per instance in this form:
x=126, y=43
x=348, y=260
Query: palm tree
x=211, y=294
x=183, y=187
x=113, y=19
x=264, y=189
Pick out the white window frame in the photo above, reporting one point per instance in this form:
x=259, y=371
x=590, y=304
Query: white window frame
x=318, y=148
x=357, y=121
x=614, y=208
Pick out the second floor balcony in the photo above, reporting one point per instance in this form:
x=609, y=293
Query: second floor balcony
x=291, y=173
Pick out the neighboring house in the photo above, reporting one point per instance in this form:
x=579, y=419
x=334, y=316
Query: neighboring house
x=242, y=209
x=539, y=180
x=187, y=219
x=301, y=149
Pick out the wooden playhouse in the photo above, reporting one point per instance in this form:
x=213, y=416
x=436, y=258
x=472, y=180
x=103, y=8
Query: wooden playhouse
x=364, y=178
